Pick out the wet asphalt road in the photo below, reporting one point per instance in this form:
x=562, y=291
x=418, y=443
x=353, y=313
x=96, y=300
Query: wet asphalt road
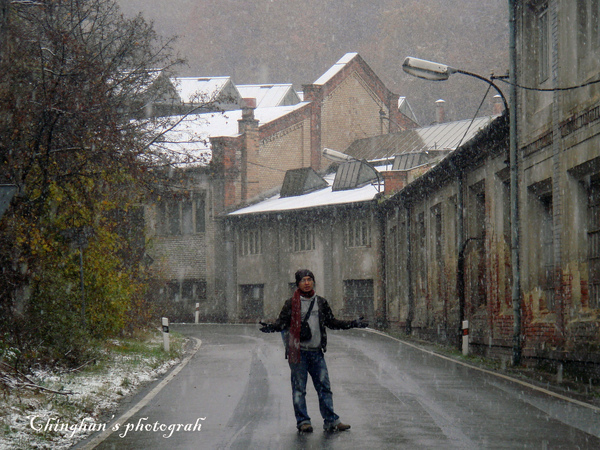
x=394, y=395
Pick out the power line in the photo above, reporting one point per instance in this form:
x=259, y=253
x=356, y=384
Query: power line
x=528, y=88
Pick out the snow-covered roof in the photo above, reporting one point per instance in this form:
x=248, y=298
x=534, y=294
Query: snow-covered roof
x=322, y=197
x=268, y=94
x=199, y=89
x=189, y=140
x=336, y=68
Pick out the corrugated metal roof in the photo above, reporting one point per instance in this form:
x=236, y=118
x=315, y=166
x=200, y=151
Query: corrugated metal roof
x=301, y=181
x=353, y=174
x=443, y=136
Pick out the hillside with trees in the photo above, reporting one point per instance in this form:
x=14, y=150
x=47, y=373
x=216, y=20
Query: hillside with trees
x=285, y=41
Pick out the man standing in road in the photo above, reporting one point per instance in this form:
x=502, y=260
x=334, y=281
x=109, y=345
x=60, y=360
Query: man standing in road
x=304, y=351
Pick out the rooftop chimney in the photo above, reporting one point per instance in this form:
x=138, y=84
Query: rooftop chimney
x=394, y=181
x=440, y=112
x=498, y=105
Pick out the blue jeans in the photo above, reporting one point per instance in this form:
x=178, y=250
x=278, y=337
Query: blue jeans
x=313, y=363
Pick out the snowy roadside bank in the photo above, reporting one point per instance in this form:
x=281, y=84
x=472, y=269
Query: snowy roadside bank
x=73, y=405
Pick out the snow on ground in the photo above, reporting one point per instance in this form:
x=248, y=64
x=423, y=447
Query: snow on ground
x=43, y=420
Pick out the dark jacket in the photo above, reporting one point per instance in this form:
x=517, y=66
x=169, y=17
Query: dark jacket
x=326, y=319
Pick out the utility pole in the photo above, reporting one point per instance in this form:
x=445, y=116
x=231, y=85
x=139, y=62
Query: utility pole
x=514, y=188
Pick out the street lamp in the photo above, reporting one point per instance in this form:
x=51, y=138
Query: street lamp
x=433, y=71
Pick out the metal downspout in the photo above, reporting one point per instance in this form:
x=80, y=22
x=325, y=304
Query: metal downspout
x=411, y=297
x=460, y=263
x=514, y=188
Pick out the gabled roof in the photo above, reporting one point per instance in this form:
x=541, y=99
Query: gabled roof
x=267, y=95
x=440, y=137
x=202, y=89
x=344, y=60
x=191, y=135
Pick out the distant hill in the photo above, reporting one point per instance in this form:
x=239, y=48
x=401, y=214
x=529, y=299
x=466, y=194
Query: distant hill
x=291, y=41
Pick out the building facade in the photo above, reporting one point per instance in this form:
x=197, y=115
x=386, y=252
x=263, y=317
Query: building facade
x=451, y=258
x=247, y=153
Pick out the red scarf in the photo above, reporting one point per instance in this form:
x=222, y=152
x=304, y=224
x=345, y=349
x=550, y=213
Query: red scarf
x=294, y=336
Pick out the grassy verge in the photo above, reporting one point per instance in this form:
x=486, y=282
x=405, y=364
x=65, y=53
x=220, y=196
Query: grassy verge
x=70, y=405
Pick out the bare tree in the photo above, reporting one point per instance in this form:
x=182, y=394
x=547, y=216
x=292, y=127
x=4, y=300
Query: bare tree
x=73, y=74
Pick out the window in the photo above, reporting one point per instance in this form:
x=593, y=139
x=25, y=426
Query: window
x=358, y=298
x=190, y=291
x=250, y=242
x=358, y=234
x=588, y=38
x=436, y=215
x=594, y=242
x=252, y=298
x=594, y=25
x=421, y=252
x=543, y=238
x=475, y=252
x=303, y=237
x=547, y=249
x=181, y=215
x=544, y=45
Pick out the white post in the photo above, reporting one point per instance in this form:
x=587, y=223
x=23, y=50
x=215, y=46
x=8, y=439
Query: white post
x=465, y=337
x=165, y=329
x=197, y=312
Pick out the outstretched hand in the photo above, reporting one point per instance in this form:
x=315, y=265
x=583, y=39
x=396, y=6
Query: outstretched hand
x=267, y=327
x=360, y=323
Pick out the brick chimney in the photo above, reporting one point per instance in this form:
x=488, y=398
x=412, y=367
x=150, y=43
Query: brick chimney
x=394, y=181
x=440, y=112
x=248, y=129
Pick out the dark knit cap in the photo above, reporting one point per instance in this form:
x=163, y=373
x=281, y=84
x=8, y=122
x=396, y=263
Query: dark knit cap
x=303, y=273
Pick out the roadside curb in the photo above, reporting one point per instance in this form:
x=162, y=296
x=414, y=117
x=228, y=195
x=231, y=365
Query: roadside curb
x=102, y=436
x=490, y=372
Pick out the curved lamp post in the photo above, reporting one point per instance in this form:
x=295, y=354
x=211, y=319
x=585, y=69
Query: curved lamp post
x=433, y=71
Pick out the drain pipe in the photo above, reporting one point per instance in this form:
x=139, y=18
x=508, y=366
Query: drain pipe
x=411, y=297
x=514, y=187
x=460, y=263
